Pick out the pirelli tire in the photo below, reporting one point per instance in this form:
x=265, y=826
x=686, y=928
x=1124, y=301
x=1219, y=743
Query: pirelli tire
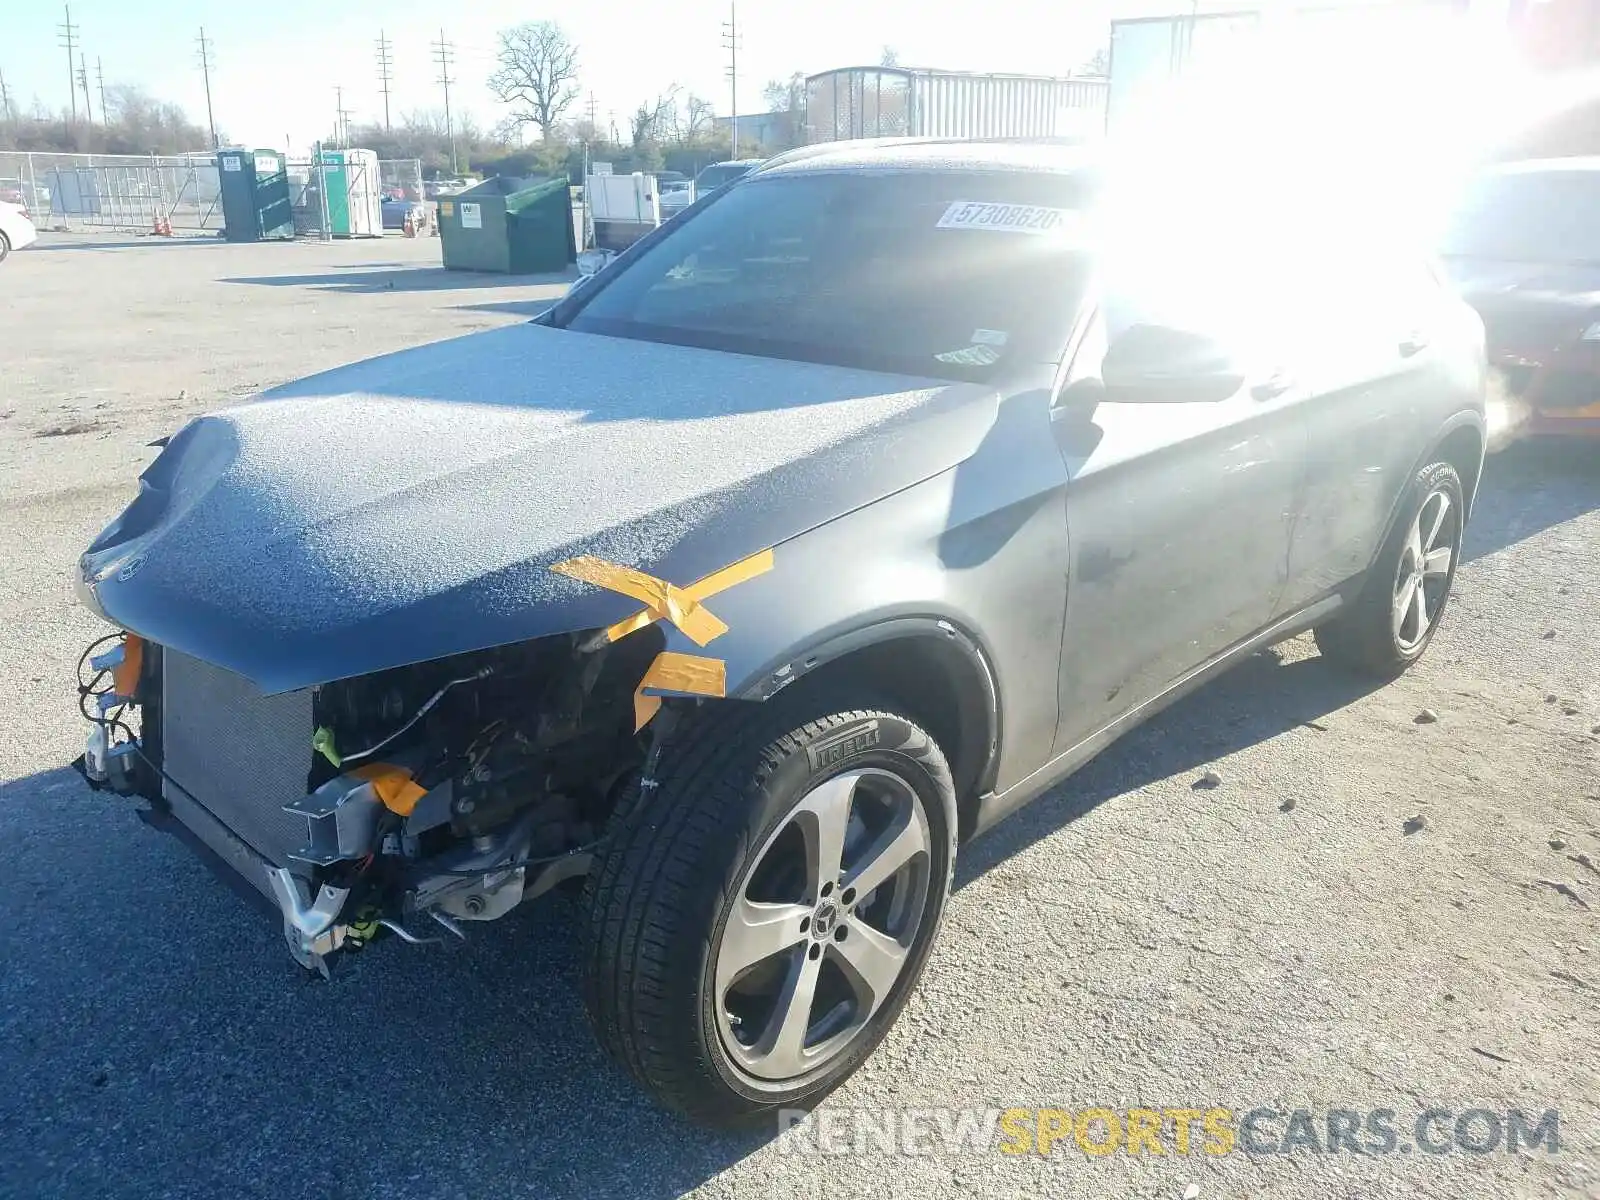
x=729, y=852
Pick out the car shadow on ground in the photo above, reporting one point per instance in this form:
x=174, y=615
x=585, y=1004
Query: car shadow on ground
x=1530, y=487
x=411, y=279
x=1263, y=696
x=154, y=1024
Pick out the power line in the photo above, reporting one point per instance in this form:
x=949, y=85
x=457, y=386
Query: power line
x=69, y=39
x=385, y=74
x=207, y=61
x=730, y=42
x=444, y=55
x=83, y=82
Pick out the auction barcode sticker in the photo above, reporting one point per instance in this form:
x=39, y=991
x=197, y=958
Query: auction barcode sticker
x=1005, y=218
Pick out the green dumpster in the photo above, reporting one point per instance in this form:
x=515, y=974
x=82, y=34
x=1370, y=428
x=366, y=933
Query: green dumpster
x=254, y=185
x=508, y=225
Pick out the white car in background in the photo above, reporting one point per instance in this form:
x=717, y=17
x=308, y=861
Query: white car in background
x=675, y=196
x=16, y=231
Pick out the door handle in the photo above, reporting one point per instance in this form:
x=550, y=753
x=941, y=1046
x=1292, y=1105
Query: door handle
x=1272, y=386
x=1413, y=343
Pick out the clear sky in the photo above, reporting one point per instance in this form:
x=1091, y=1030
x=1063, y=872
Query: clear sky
x=277, y=63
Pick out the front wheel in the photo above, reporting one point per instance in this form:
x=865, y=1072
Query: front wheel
x=5, y=246
x=765, y=905
x=1403, y=598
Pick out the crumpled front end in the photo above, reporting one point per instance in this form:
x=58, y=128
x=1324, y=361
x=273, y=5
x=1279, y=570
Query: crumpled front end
x=404, y=802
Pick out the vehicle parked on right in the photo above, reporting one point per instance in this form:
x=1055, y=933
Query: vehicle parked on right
x=1523, y=248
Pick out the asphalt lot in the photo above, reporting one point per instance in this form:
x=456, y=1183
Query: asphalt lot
x=1276, y=941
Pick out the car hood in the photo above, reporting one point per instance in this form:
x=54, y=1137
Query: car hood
x=410, y=507
x=1528, y=306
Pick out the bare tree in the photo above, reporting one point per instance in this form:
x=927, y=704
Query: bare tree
x=692, y=120
x=889, y=58
x=788, y=96
x=785, y=95
x=1098, y=63
x=538, y=74
x=650, y=120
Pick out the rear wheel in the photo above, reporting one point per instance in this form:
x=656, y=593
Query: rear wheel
x=1403, y=599
x=761, y=914
x=5, y=245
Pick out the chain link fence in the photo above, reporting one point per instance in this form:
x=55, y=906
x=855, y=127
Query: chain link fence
x=113, y=191
x=133, y=192
x=401, y=178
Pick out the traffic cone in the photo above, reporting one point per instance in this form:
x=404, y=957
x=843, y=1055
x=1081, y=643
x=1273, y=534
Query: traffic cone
x=410, y=226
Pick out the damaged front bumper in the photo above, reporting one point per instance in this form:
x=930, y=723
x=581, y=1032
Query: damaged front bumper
x=365, y=853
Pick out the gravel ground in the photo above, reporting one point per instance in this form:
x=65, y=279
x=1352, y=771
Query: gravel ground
x=1278, y=940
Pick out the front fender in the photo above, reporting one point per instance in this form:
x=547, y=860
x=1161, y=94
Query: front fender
x=914, y=564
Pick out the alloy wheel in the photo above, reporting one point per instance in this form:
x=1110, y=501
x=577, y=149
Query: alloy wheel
x=1422, y=578
x=822, y=925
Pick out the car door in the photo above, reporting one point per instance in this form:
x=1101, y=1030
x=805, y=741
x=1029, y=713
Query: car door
x=1179, y=518
x=1369, y=364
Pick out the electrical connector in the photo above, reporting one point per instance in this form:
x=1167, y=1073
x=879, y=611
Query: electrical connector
x=112, y=658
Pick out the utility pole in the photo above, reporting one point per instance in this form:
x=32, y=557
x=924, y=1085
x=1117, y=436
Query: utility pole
x=83, y=82
x=444, y=54
x=100, y=76
x=206, y=63
x=69, y=39
x=730, y=42
x=341, y=122
x=385, y=74
x=594, y=119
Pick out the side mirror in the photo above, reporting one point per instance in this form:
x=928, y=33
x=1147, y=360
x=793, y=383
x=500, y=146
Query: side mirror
x=1154, y=364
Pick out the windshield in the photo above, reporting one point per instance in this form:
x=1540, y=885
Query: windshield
x=1545, y=216
x=947, y=274
x=716, y=176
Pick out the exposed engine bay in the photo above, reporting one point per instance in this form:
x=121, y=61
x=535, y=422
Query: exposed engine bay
x=428, y=795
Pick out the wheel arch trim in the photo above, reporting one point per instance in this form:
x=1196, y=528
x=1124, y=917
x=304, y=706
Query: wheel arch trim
x=1467, y=418
x=835, y=646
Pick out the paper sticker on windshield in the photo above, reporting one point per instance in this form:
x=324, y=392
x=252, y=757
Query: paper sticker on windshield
x=1005, y=218
x=971, y=356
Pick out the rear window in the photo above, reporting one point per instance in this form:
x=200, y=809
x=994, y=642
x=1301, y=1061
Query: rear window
x=1537, y=216
x=945, y=274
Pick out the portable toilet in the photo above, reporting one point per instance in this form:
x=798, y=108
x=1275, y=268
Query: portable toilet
x=355, y=193
x=254, y=189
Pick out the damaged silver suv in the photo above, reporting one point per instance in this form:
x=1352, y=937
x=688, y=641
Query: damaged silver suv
x=831, y=523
